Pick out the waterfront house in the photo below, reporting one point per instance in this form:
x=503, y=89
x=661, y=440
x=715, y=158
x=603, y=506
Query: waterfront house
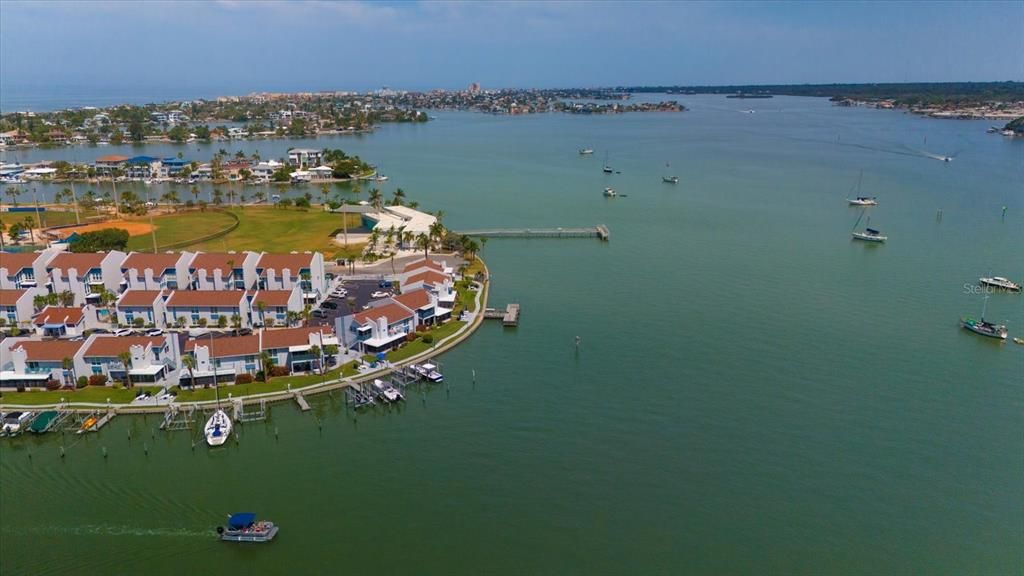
x=437, y=283
x=208, y=307
x=377, y=329
x=145, y=306
x=30, y=362
x=398, y=218
x=424, y=304
x=285, y=271
x=86, y=274
x=274, y=305
x=144, y=167
x=305, y=157
x=24, y=269
x=173, y=166
x=223, y=271
x=16, y=306
x=152, y=358
x=293, y=347
x=226, y=358
x=58, y=321
x=145, y=271
x=106, y=165
x=264, y=171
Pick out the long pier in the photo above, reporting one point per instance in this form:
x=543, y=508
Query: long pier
x=601, y=232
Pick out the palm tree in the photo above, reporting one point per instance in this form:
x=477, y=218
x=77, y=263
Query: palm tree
x=66, y=298
x=236, y=321
x=261, y=307
x=189, y=362
x=399, y=197
x=3, y=228
x=218, y=196
x=292, y=317
x=195, y=191
x=306, y=313
x=267, y=364
x=436, y=231
x=376, y=200
x=315, y=351
x=232, y=194
x=31, y=233
x=126, y=361
x=67, y=364
x=423, y=241
x=13, y=192
x=324, y=191
x=357, y=189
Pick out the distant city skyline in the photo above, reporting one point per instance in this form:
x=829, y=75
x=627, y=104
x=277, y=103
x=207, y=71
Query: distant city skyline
x=202, y=49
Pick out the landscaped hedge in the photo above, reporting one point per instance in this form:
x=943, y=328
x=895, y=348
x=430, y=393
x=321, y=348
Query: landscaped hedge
x=97, y=380
x=243, y=379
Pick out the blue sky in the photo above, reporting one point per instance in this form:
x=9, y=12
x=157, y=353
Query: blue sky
x=241, y=46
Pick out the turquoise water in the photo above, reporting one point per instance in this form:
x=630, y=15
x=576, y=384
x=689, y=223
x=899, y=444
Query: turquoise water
x=754, y=393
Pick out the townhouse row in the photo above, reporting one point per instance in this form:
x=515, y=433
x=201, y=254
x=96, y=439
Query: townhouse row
x=86, y=276
x=157, y=361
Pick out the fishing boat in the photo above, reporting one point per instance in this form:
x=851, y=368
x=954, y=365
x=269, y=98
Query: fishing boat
x=983, y=327
x=387, y=392
x=42, y=423
x=1000, y=283
x=859, y=200
x=243, y=527
x=609, y=192
x=431, y=373
x=13, y=423
x=586, y=151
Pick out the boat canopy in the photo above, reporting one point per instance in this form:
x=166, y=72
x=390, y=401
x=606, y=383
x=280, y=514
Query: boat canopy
x=241, y=520
x=873, y=231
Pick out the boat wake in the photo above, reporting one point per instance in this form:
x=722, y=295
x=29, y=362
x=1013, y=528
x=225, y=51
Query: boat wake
x=110, y=530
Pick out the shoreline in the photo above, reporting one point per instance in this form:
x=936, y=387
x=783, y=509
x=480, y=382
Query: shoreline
x=289, y=394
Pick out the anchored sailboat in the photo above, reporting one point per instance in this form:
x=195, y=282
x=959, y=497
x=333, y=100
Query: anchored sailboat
x=607, y=168
x=218, y=427
x=859, y=200
x=983, y=327
x=869, y=234
x=669, y=179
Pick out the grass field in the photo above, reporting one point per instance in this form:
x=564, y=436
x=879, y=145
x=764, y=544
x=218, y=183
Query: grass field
x=275, y=385
x=93, y=394
x=181, y=227
x=261, y=228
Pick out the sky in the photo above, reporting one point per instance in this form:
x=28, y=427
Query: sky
x=236, y=47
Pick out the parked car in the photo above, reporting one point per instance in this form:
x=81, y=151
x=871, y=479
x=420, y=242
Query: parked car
x=328, y=305
x=122, y=332
x=384, y=284
x=242, y=331
x=154, y=332
x=319, y=313
x=379, y=294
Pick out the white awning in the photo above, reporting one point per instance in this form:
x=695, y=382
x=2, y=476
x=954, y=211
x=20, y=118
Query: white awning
x=12, y=375
x=301, y=348
x=151, y=370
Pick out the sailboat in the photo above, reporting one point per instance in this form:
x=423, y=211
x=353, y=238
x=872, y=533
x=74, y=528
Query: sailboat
x=586, y=151
x=218, y=427
x=670, y=179
x=984, y=328
x=869, y=234
x=862, y=200
x=607, y=169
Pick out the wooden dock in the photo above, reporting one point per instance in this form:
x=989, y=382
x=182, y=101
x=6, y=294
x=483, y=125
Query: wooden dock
x=509, y=316
x=301, y=401
x=600, y=232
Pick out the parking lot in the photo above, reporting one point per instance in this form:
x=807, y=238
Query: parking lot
x=360, y=290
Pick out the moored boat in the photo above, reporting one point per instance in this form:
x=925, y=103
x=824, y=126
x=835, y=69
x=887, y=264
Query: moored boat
x=13, y=423
x=1018, y=341
x=586, y=151
x=609, y=192
x=243, y=527
x=217, y=428
x=984, y=328
x=42, y=423
x=1000, y=283
x=863, y=201
x=670, y=179
x=870, y=235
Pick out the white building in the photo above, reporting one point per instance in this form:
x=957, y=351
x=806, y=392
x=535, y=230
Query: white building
x=305, y=157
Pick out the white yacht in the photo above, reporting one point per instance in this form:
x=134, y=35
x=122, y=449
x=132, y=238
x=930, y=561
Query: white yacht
x=218, y=428
x=586, y=151
x=609, y=192
x=1001, y=283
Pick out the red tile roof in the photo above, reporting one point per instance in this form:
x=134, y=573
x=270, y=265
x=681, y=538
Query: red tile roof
x=423, y=263
x=278, y=262
x=155, y=262
x=112, y=158
x=230, y=346
x=14, y=262
x=51, y=350
x=393, y=313
x=83, y=262
x=428, y=276
x=139, y=297
x=58, y=314
x=414, y=300
x=291, y=336
x=111, y=346
x=272, y=297
x=211, y=261
x=205, y=298
x=10, y=297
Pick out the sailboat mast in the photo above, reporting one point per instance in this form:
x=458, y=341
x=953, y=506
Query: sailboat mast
x=213, y=367
x=984, y=307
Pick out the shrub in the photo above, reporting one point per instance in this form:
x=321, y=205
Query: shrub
x=202, y=322
x=428, y=338
x=138, y=322
x=222, y=322
x=97, y=380
x=243, y=379
x=82, y=382
x=276, y=371
x=411, y=337
x=52, y=385
x=3, y=322
x=20, y=388
x=15, y=331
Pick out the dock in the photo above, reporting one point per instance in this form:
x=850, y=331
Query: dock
x=301, y=401
x=178, y=418
x=600, y=232
x=509, y=316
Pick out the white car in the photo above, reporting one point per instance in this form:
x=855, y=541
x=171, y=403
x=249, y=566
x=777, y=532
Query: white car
x=155, y=332
x=340, y=293
x=122, y=332
x=379, y=294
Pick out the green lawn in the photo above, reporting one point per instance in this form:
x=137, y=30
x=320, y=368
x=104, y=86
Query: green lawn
x=275, y=385
x=175, y=228
x=262, y=228
x=117, y=395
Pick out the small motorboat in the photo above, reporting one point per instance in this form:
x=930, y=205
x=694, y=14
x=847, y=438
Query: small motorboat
x=89, y=423
x=670, y=179
x=607, y=169
x=984, y=328
x=870, y=235
x=609, y=192
x=1019, y=341
x=217, y=428
x=386, y=392
x=863, y=201
x=13, y=423
x=430, y=372
x=243, y=527
x=586, y=151
x=1000, y=283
